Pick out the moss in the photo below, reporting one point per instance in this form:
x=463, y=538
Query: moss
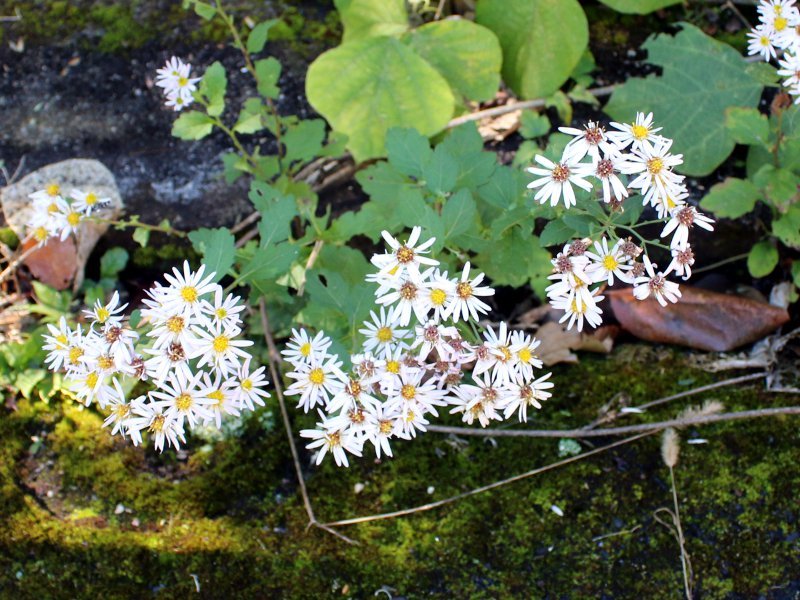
x=154, y=255
x=228, y=513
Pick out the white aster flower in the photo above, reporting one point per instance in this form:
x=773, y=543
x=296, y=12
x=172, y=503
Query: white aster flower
x=682, y=262
x=186, y=290
x=86, y=202
x=437, y=293
x=761, y=40
x=248, y=384
x=466, y=301
x=589, y=140
x=165, y=427
x=406, y=258
x=224, y=310
x=336, y=440
x=410, y=299
x=522, y=395
x=639, y=135
x=579, y=310
x=608, y=263
x=57, y=344
x=383, y=334
x=683, y=219
x=110, y=313
x=220, y=349
x=302, y=349
x=556, y=180
x=222, y=395
x=183, y=398
x=316, y=382
x=523, y=347
x=655, y=284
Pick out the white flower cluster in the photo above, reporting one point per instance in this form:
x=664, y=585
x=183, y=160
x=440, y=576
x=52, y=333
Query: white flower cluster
x=414, y=359
x=178, y=86
x=779, y=29
x=192, y=355
x=57, y=215
x=637, y=153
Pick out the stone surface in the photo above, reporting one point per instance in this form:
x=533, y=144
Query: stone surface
x=701, y=319
x=59, y=263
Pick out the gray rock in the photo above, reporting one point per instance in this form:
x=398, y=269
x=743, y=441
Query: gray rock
x=82, y=174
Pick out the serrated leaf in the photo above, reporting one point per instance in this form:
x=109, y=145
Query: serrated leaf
x=382, y=181
x=638, y=7
x=780, y=185
x=460, y=215
x=218, y=248
x=276, y=220
x=732, y=198
x=762, y=260
x=533, y=124
x=747, y=126
x=304, y=140
x=407, y=150
x=269, y=263
x=112, y=262
x=467, y=55
x=213, y=87
x=580, y=224
x=555, y=233
x=440, y=171
x=250, y=117
x=268, y=71
x=369, y=18
x=542, y=41
x=258, y=36
x=365, y=88
x=702, y=77
x=192, y=125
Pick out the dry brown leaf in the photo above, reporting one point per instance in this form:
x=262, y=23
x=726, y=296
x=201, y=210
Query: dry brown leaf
x=558, y=343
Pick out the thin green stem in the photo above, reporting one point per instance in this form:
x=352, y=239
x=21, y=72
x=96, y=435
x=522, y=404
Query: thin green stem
x=719, y=263
x=139, y=225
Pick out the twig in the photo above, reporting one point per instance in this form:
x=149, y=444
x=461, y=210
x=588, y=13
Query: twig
x=312, y=258
x=12, y=266
x=247, y=236
x=485, y=488
x=730, y=259
x=685, y=564
x=587, y=433
x=511, y=107
x=274, y=359
x=687, y=393
x=247, y=221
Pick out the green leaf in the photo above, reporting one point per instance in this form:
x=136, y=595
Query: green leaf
x=764, y=73
x=555, y=233
x=268, y=71
x=787, y=227
x=276, y=220
x=303, y=141
x=205, y=10
x=269, y=262
x=533, y=124
x=542, y=41
x=780, y=185
x=250, y=117
x=212, y=88
x=408, y=150
x=382, y=181
x=112, y=262
x=701, y=79
x=370, y=18
x=762, y=260
x=141, y=236
x=467, y=55
x=258, y=36
x=192, y=125
x=796, y=273
x=580, y=224
x=638, y=7
x=732, y=198
x=336, y=301
x=27, y=380
x=747, y=126
x=563, y=105
x=514, y=259
x=365, y=88
x=460, y=215
x=440, y=172
x=218, y=248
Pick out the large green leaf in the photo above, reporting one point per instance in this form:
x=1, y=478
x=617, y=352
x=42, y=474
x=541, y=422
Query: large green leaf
x=639, y=7
x=702, y=78
x=466, y=54
x=366, y=87
x=217, y=247
x=542, y=41
x=371, y=18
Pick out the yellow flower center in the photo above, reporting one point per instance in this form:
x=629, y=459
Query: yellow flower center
x=175, y=324
x=157, y=424
x=610, y=263
x=220, y=344
x=640, y=132
x=506, y=354
x=334, y=439
x=218, y=396
x=182, y=81
x=393, y=366
x=384, y=335
x=73, y=219
x=91, y=199
x=780, y=23
x=408, y=391
x=221, y=313
x=189, y=294
x=578, y=309
x=655, y=165
x=91, y=379
x=404, y=254
x=247, y=385
x=102, y=314
x=316, y=376
x=40, y=233
x=61, y=339
x=305, y=350
x=385, y=427
x=105, y=363
x=438, y=297
x=75, y=355
x=122, y=410
x=53, y=189
x=464, y=290
x=525, y=355
x=410, y=416
x=184, y=402
x=52, y=208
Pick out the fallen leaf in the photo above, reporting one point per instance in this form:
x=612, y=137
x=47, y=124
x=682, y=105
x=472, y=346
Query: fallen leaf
x=700, y=319
x=55, y=263
x=558, y=343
